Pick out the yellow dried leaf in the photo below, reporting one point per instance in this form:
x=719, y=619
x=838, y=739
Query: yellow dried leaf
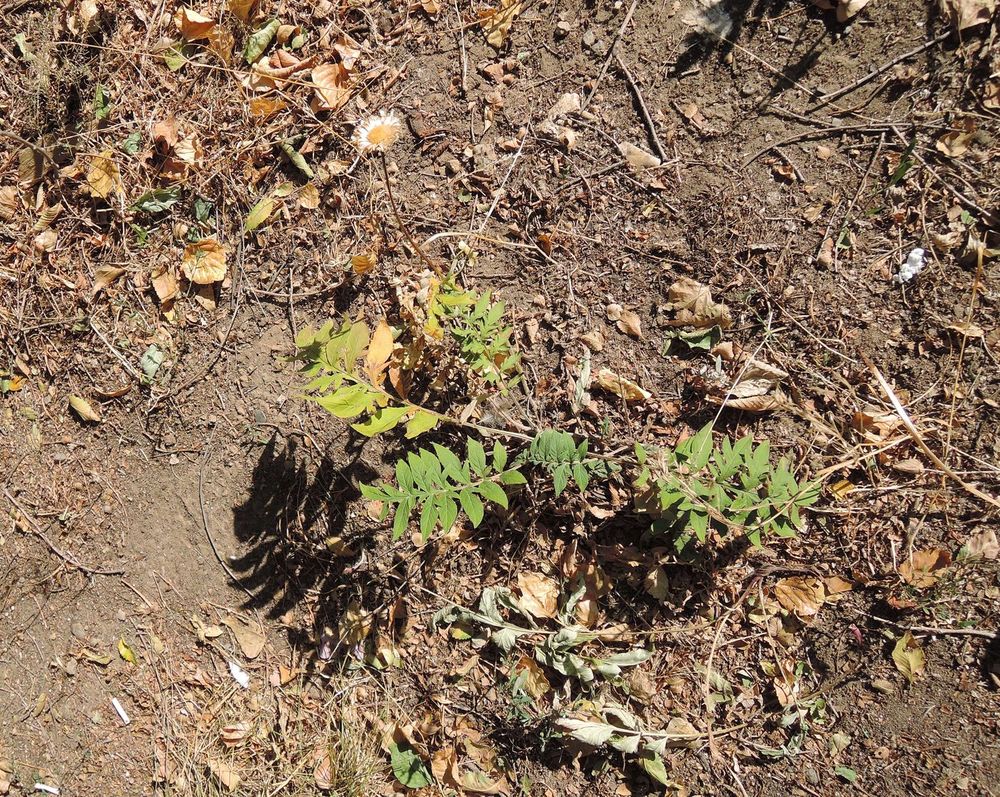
x=620, y=386
x=47, y=216
x=332, y=87
x=259, y=214
x=125, y=651
x=242, y=9
x=192, y=25
x=535, y=682
x=204, y=262
x=363, y=264
x=104, y=178
x=379, y=352
x=908, y=657
x=83, y=409
x=355, y=624
x=539, y=594
x=800, y=595
x=496, y=22
x=308, y=197
x=266, y=107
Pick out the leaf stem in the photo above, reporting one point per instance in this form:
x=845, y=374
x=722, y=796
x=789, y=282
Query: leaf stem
x=399, y=219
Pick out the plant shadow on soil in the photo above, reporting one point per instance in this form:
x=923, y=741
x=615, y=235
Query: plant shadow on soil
x=293, y=506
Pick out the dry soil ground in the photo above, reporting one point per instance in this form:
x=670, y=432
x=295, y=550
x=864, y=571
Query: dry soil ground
x=199, y=514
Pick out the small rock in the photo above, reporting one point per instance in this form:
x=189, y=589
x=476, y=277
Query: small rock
x=78, y=630
x=812, y=776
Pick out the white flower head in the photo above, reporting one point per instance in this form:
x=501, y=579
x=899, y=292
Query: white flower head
x=914, y=264
x=377, y=133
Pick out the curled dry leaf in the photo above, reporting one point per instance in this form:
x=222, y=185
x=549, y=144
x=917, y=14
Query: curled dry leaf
x=236, y=734
x=103, y=177
x=496, y=22
x=908, y=657
x=332, y=87
x=83, y=409
x=924, y=567
x=620, y=386
x=539, y=594
x=535, y=682
x=803, y=596
x=693, y=306
x=204, y=261
x=637, y=157
x=105, y=276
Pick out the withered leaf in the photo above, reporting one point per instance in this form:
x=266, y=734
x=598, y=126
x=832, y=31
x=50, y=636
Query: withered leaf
x=539, y=594
x=924, y=567
x=693, y=306
x=804, y=596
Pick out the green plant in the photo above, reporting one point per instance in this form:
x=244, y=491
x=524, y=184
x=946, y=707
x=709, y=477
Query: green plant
x=557, y=453
x=697, y=487
x=476, y=324
x=341, y=386
x=437, y=482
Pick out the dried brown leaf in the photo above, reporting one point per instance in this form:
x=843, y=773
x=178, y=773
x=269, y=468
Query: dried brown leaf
x=924, y=567
x=496, y=22
x=968, y=13
x=83, y=409
x=536, y=683
x=379, y=353
x=103, y=177
x=224, y=773
x=908, y=657
x=539, y=594
x=204, y=261
x=804, y=596
x=192, y=25
x=251, y=642
x=620, y=386
x=983, y=544
x=332, y=87
x=637, y=157
x=630, y=323
x=105, y=276
x=693, y=306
